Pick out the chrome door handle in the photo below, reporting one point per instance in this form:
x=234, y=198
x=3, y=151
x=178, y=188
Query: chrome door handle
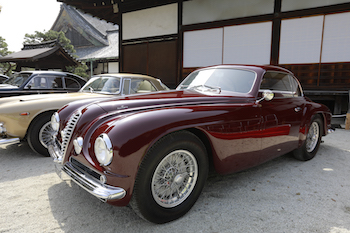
x=297, y=109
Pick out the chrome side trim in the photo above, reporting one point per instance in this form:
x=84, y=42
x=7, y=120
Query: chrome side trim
x=101, y=191
x=8, y=141
x=67, y=132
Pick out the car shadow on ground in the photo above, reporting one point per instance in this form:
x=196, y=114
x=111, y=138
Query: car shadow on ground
x=266, y=196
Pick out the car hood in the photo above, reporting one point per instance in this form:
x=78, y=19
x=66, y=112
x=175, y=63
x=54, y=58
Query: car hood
x=7, y=86
x=50, y=98
x=166, y=99
x=124, y=104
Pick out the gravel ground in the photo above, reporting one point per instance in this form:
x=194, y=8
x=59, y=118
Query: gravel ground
x=283, y=195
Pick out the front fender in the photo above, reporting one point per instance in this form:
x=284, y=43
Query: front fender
x=134, y=134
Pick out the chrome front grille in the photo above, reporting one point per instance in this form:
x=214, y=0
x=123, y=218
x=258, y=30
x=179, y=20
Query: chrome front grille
x=85, y=170
x=67, y=132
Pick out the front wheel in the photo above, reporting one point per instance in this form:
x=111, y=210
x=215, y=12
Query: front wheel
x=312, y=142
x=40, y=134
x=170, y=178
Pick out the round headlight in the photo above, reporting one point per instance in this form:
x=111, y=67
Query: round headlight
x=103, y=149
x=55, y=121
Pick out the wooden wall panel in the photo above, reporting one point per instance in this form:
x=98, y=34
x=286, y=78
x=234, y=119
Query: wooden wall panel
x=157, y=59
x=162, y=60
x=135, y=58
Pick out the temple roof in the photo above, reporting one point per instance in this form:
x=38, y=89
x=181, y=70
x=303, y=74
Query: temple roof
x=92, y=37
x=46, y=55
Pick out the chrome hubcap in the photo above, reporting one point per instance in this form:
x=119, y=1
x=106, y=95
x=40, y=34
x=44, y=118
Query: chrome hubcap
x=312, y=137
x=46, y=134
x=174, y=178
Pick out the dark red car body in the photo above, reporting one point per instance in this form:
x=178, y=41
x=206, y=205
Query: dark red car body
x=239, y=130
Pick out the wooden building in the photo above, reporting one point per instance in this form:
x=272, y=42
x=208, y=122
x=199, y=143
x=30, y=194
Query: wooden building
x=170, y=38
x=42, y=56
x=94, y=39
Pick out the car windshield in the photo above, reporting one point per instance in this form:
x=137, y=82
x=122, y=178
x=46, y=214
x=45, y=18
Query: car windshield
x=17, y=79
x=216, y=80
x=103, y=84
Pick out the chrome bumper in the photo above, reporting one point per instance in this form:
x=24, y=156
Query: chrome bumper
x=7, y=141
x=4, y=138
x=68, y=171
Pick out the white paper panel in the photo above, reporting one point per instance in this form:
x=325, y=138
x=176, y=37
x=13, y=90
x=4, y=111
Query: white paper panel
x=248, y=44
x=290, y=5
x=336, y=40
x=202, y=48
x=301, y=40
x=202, y=11
x=150, y=22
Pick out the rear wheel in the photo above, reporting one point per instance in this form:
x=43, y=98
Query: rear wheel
x=170, y=178
x=312, y=142
x=40, y=134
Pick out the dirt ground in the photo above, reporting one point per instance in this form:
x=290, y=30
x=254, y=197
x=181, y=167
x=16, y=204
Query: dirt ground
x=283, y=195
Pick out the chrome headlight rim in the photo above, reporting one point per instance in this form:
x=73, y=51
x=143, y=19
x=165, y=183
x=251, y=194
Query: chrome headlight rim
x=103, y=149
x=55, y=122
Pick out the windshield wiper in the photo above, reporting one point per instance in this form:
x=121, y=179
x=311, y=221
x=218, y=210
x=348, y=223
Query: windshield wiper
x=91, y=89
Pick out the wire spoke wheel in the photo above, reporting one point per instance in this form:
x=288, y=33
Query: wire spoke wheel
x=174, y=178
x=312, y=137
x=45, y=134
x=312, y=141
x=170, y=178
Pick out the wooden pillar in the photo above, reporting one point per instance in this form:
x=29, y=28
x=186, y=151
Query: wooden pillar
x=347, y=121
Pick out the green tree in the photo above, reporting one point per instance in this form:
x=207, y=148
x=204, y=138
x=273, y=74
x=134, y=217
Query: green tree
x=5, y=68
x=39, y=37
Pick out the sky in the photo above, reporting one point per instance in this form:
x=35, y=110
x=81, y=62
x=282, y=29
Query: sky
x=18, y=17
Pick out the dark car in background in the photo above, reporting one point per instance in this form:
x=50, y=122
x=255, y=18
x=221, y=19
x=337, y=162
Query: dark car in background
x=3, y=78
x=153, y=151
x=41, y=82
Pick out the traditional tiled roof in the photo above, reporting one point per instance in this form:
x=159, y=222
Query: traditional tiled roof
x=91, y=37
x=46, y=55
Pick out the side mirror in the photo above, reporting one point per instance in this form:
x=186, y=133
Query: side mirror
x=266, y=95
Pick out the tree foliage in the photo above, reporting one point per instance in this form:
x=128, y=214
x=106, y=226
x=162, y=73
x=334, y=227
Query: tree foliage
x=5, y=68
x=40, y=37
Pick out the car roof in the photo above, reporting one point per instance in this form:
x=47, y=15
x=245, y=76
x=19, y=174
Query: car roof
x=249, y=66
x=50, y=72
x=127, y=75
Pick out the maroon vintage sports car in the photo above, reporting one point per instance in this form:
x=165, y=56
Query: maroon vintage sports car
x=153, y=151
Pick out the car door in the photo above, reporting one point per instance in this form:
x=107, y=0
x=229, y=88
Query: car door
x=237, y=136
x=281, y=116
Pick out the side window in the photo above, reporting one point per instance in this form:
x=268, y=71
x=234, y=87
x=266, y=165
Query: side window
x=71, y=83
x=54, y=82
x=295, y=87
x=282, y=84
x=141, y=86
x=38, y=82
